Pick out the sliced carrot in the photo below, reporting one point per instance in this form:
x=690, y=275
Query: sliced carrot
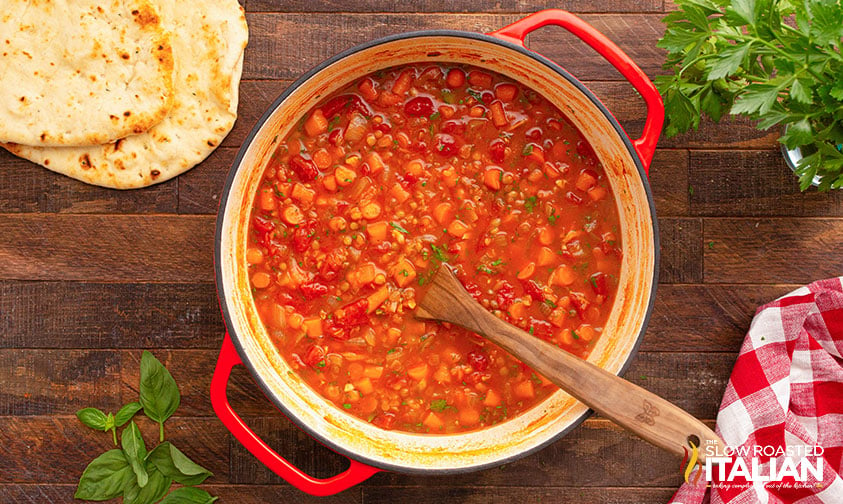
x=458, y=228
x=546, y=235
x=443, y=212
x=312, y=326
x=375, y=162
x=345, y=176
x=399, y=193
x=418, y=372
x=292, y=215
x=563, y=275
x=479, y=79
x=377, y=231
x=403, y=82
x=377, y=298
x=527, y=271
x=455, y=78
x=545, y=257
x=368, y=404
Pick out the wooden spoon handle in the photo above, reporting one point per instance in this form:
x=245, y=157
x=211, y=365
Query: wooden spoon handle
x=654, y=419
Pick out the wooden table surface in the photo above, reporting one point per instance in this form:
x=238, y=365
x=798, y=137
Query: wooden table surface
x=89, y=277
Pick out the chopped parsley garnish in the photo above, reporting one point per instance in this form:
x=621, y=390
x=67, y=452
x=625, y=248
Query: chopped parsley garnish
x=438, y=405
x=530, y=204
x=497, y=262
x=574, y=334
x=434, y=116
x=346, y=406
x=592, y=281
x=528, y=149
x=474, y=94
x=398, y=228
x=440, y=254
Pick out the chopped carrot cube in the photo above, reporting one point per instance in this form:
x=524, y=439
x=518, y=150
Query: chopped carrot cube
x=368, y=404
x=498, y=115
x=363, y=275
x=492, y=398
x=355, y=371
x=458, y=228
x=517, y=309
x=322, y=158
x=377, y=298
x=433, y=422
x=506, y=92
x=312, y=326
x=403, y=82
x=468, y=416
x=586, y=180
x=479, y=79
x=399, y=193
x=367, y=89
x=371, y=211
x=597, y=193
x=261, y=280
x=267, y=200
x=294, y=320
x=404, y=272
x=546, y=236
x=364, y=385
x=492, y=178
x=316, y=124
x=524, y=389
x=418, y=372
x=377, y=231
x=455, y=78
x=302, y=193
x=372, y=371
x=345, y=176
x=330, y=183
x=375, y=162
x=442, y=375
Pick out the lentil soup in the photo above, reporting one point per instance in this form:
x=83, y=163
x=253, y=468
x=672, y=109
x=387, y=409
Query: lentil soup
x=386, y=179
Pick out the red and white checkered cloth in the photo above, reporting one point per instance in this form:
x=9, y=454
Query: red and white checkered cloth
x=786, y=390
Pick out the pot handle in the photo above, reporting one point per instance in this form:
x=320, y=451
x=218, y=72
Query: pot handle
x=518, y=31
x=356, y=472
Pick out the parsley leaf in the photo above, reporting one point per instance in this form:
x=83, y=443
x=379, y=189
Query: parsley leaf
x=398, y=228
x=438, y=404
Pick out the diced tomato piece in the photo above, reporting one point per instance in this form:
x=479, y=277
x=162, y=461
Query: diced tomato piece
x=368, y=89
x=384, y=420
x=598, y=283
x=446, y=145
x=305, y=168
x=383, y=127
x=453, y=127
x=336, y=136
x=534, y=134
x=472, y=289
x=533, y=290
x=345, y=104
x=262, y=224
x=506, y=91
x=487, y=97
x=580, y=302
x=584, y=149
x=419, y=106
x=478, y=360
x=303, y=235
x=505, y=295
x=541, y=329
x=353, y=314
x=333, y=263
x=497, y=151
x=313, y=355
x=313, y=290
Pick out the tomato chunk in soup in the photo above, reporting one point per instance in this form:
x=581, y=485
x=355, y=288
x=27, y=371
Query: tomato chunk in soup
x=391, y=176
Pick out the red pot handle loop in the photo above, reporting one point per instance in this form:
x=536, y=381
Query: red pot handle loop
x=356, y=472
x=644, y=146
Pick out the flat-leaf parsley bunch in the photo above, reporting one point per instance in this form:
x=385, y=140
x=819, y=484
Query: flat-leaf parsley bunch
x=142, y=476
x=775, y=61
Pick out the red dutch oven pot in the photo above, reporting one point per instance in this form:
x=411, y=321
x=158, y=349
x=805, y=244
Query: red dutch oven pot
x=369, y=448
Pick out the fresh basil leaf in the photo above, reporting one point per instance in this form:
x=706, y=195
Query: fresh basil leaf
x=105, y=477
x=159, y=394
x=126, y=413
x=188, y=495
x=154, y=490
x=176, y=465
x=727, y=62
x=135, y=451
x=93, y=418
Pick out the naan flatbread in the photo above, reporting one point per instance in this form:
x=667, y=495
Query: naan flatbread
x=82, y=72
x=209, y=37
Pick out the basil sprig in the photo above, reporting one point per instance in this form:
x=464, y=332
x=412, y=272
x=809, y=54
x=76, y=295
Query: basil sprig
x=142, y=476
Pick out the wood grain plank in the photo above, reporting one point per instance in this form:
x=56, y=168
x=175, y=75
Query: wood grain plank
x=681, y=250
x=635, y=34
x=781, y=250
x=255, y=98
x=37, y=382
x=106, y=248
x=73, y=315
x=669, y=182
x=56, y=449
x=270, y=56
x=433, y=6
x=242, y=494
x=587, y=457
x=27, y=187
x=200, y=189
x=747, y=183
x=435, y=494
x=705, y=318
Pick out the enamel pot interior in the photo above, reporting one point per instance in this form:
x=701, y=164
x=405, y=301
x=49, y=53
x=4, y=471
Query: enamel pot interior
x=497, y=444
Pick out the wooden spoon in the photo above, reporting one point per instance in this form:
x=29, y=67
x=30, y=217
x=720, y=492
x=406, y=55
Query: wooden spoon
x=630, y=406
